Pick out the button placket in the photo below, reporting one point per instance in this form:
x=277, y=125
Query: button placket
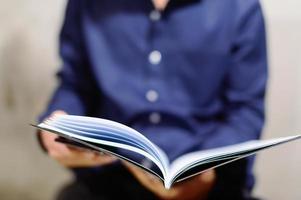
x=154, y=58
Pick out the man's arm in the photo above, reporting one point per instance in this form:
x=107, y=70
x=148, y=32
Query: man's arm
x=77, y=91
x=244, y=93
x=245, y=84
x=76, y=94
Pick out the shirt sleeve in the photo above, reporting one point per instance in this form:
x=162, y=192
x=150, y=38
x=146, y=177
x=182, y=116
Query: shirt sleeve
x=76, y=92
x=245, y=83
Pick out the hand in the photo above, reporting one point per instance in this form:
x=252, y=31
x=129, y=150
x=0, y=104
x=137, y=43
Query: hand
x=69, y=156
x=196, y=188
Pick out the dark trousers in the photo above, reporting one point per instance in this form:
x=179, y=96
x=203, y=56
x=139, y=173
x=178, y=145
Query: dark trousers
x=114, y=183
x=117, y=183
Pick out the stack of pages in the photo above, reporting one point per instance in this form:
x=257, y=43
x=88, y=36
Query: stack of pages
x=112, y=137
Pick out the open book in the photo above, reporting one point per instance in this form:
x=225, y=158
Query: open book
x=117, y=139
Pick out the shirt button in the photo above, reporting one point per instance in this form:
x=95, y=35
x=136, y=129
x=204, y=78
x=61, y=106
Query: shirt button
x=155, y=57
x=155, y=15
x=152, y=95
x=155, y=118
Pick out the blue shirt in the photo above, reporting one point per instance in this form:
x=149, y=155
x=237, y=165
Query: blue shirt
x=191, y=77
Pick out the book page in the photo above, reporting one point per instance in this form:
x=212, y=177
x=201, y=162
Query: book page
x=232, y=151
x=108, y=133
x=116, y=130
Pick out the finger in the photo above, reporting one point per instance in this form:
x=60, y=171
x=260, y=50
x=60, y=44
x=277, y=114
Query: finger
x=81, y=159
x=148, y=177
x=92, y=155
x=48, y=138
x=100, y=153
x=144, y=178
x=57, y=113
x=152, y=178
x=49, y=141
x=79, y=149
x=207, y=176
x=105, y=159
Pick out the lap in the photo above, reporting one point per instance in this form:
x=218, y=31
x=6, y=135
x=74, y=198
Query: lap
x=116, y=183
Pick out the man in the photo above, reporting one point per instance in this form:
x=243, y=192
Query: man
x=189, y=74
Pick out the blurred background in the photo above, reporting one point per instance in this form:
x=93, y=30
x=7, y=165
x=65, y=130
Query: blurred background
x=28, y=61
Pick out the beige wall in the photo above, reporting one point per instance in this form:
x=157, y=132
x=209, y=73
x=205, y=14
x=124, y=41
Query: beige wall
x=28, y=60
x=279, y=174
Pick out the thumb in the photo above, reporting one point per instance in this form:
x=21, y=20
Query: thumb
x=57, y=113
x=208, y=176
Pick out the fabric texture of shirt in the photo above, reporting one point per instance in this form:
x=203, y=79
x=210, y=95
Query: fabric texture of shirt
x=189, y=78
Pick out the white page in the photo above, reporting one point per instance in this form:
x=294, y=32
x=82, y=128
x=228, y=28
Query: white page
x=90, y=132
x=184, y=161
x=106, y=137
x=121, y=128
x=112, y=144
